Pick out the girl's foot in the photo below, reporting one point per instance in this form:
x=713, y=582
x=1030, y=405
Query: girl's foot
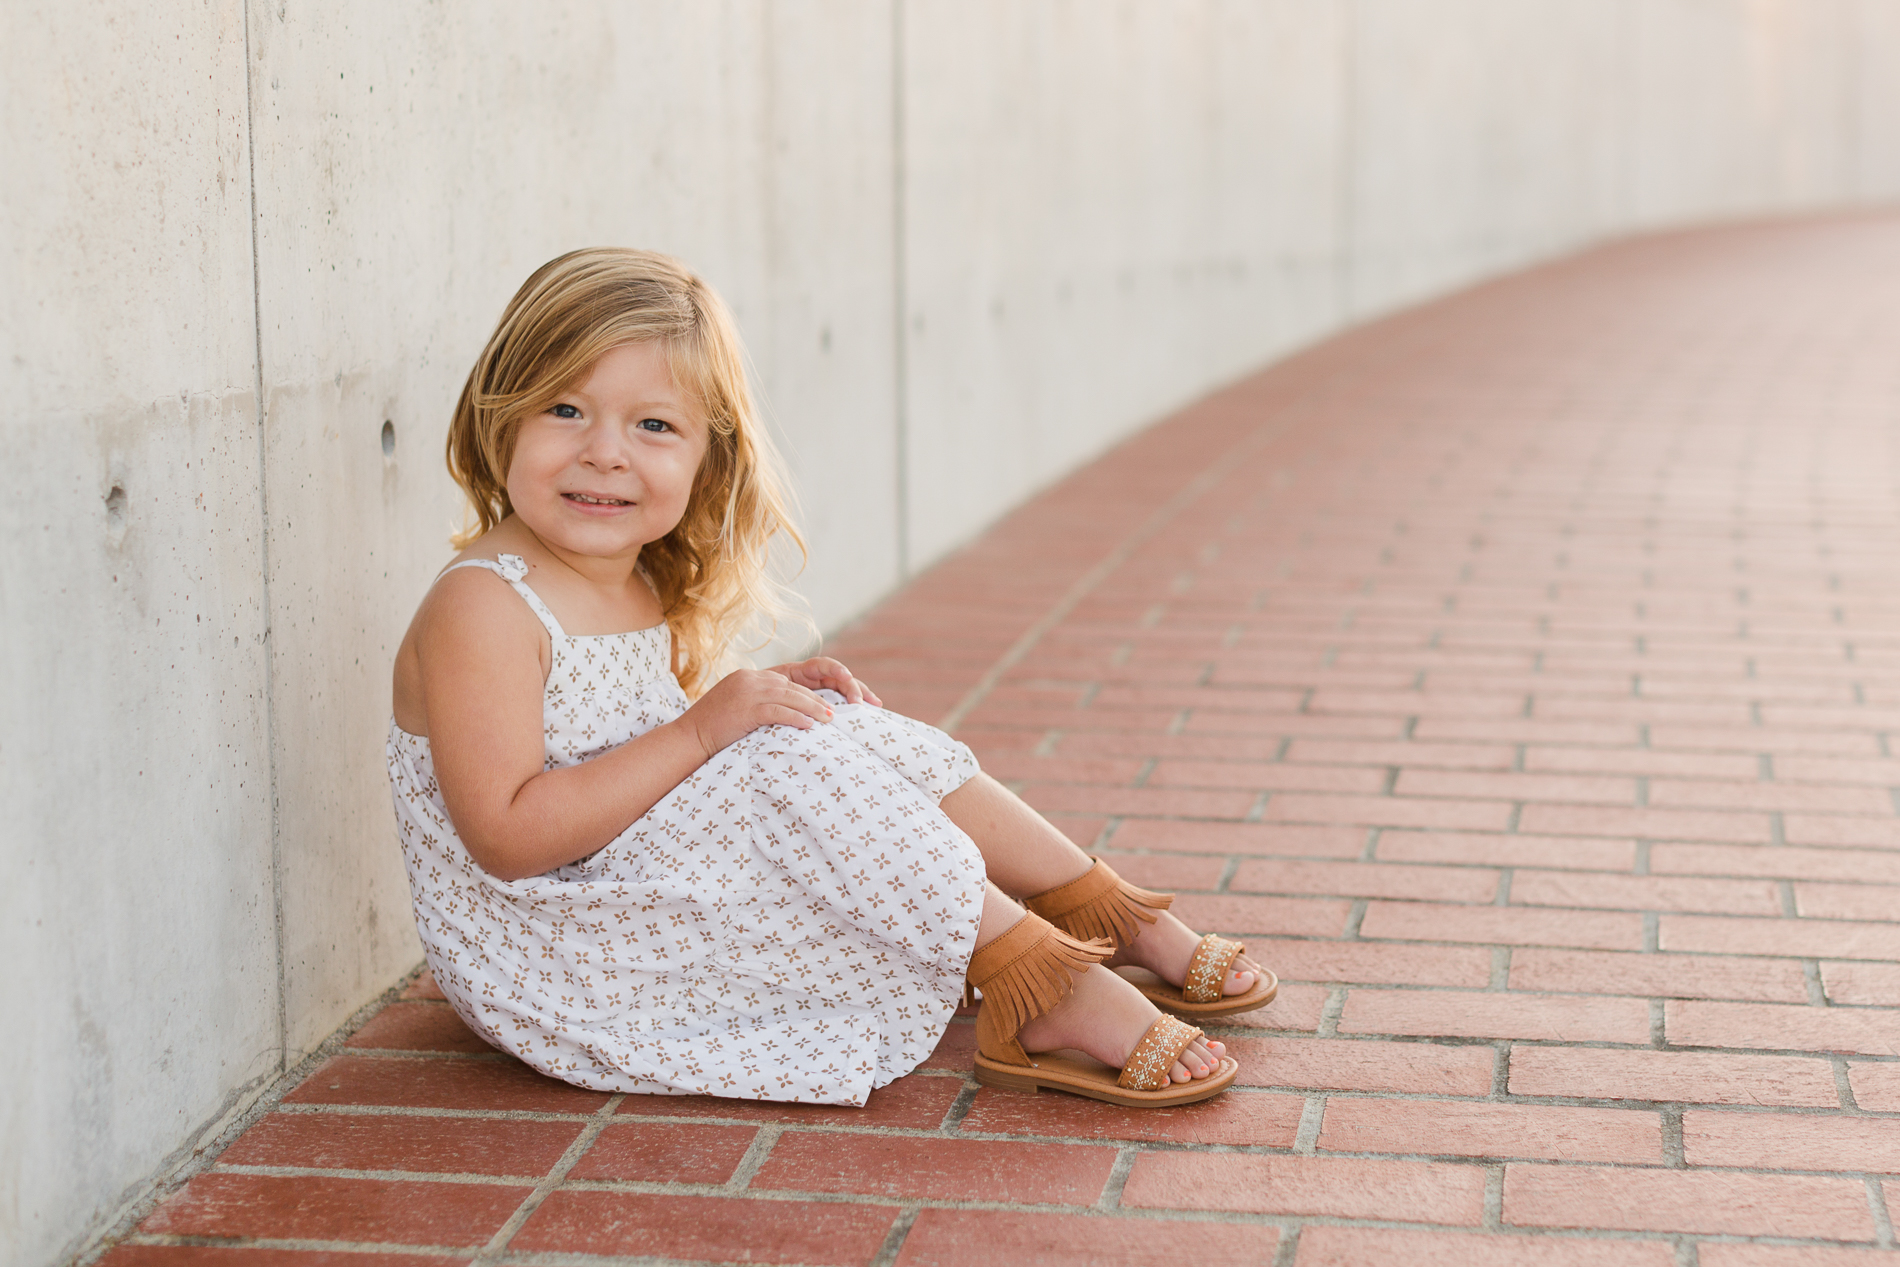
x=1165, y=947
x=1105, y=1017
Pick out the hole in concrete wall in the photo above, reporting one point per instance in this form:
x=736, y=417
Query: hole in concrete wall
x=115, y=515
x=389, y=438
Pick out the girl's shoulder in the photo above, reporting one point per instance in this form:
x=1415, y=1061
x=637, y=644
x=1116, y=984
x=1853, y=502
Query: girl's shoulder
x=468, y=600
x=484, y=571
x=471, y=626
x=473, y=598
x=566, y=602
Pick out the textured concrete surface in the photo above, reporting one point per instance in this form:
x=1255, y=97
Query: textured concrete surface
x=136, y=912
x=972, y=244
x=1519, y=676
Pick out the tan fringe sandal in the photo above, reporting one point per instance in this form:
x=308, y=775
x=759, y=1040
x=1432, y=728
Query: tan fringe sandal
x=1099, y=903
x=1027, y=971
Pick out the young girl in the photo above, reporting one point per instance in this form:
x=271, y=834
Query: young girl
x=639, y=871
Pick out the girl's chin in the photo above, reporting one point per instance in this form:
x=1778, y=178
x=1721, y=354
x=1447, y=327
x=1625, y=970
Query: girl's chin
x=591, y=537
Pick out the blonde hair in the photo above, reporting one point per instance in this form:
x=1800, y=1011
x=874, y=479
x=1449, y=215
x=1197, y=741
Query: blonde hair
x=712, y=570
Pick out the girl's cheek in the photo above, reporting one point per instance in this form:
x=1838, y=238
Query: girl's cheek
x=686, y=475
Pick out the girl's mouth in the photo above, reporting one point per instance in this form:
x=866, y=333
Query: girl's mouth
x=589, y=499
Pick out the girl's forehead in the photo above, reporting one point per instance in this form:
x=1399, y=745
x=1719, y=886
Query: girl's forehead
x=642, y=371
x=643, y=365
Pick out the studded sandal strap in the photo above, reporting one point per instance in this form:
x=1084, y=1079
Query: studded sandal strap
x=1148, y=1065
x=1207, y=971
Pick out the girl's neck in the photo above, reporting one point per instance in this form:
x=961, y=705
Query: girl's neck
x=607, y=572
x=589, y=593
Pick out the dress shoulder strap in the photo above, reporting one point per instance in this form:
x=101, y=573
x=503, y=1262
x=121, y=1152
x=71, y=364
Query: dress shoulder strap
x=512, y=568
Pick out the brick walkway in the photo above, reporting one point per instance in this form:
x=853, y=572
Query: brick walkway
x=1518, y=674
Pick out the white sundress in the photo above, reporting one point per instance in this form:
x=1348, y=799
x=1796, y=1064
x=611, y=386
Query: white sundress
x=792, y=922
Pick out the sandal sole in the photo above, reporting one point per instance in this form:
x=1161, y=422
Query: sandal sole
x=1168, y=997
x=1097, y=1082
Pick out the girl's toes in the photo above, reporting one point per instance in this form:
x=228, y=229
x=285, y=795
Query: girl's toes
x=1238, y=983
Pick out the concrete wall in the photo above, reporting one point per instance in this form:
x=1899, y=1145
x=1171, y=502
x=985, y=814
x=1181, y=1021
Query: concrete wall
x=972, y=242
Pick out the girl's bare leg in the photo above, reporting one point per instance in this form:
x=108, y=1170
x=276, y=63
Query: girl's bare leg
x=1104, y=1015
x=1025, y=856
x=1023, y=853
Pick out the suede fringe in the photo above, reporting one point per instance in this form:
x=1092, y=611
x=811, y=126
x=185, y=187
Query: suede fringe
x=1029, y=970
x=1100, y=904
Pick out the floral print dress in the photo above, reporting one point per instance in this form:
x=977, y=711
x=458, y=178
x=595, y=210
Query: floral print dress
x=791, y=922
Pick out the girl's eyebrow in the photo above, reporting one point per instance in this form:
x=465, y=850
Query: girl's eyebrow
x=677, y=407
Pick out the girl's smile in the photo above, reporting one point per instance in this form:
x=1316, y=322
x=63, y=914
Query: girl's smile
x=610, y=465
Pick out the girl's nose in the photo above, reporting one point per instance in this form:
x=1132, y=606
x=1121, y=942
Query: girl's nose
x=603, y=450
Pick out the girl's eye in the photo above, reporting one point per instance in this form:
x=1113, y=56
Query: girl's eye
x=655, y=424
x=565, y=411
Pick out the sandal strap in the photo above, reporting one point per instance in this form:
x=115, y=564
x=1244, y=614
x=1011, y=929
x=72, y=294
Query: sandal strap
x=1207, y=971
x=1022, y=974
x=1148, y=1065
x=1099, y=903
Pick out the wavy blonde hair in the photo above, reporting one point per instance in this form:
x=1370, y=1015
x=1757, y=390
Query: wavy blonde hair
x=713, y=570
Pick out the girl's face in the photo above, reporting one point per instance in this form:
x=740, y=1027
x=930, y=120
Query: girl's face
x=610, y=465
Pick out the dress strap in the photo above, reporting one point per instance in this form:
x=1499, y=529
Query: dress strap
x=512, y=568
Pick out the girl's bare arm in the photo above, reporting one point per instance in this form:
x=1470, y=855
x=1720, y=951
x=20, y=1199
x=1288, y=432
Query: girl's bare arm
x=483, y=664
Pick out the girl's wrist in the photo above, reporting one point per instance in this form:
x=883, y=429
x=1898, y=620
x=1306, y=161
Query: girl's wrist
x=687, y=726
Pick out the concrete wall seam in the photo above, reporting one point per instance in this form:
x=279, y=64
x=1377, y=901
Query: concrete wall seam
x=263, y=545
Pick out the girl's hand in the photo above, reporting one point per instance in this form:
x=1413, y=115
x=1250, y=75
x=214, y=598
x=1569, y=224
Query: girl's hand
x=821, y=672
x=745, y=700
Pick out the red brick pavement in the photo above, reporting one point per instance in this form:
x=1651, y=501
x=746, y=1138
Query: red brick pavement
x=1520, y=674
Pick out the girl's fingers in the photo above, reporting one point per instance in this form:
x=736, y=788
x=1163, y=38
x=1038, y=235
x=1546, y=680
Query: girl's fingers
x=786, y=715
x=805, y=701
x=820, y=672
x=856, y=692
x=832, y=673
x=805, y=673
